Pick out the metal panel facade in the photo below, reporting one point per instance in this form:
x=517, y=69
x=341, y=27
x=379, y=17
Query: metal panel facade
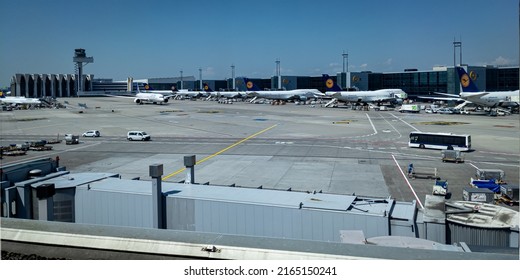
x=266, y=220
x=498, y=237
x=111, y=208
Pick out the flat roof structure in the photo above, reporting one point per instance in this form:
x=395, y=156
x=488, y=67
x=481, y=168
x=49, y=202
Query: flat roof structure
x=239, y=210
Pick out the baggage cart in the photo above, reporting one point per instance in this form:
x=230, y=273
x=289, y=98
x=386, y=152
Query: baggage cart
x=452, y=156
x=478, y=195
x=440, y=187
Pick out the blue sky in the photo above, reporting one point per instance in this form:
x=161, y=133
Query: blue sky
x=146, y=39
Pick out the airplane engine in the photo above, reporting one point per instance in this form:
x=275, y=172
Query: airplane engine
x=138, y=101
x=508, y=104
x=398, y=101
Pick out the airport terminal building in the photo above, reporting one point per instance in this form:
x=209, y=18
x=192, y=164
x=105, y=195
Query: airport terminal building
x=412, y=81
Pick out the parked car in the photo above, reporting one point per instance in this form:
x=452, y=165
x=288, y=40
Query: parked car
x=137, y=136
x=444, y=111
x=92, y=133
x=429, y=111
x=455, y=111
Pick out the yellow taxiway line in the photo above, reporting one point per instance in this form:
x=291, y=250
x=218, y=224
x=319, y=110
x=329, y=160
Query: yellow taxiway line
x=220, y=152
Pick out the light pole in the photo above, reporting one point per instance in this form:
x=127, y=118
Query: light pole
x=200, y=78
x=278, y=73
x=457, y=44
x=182, y=87
x=233, y=75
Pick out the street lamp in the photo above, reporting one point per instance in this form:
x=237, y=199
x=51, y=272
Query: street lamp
x=182, y=86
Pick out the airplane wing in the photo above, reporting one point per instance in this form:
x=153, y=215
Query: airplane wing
x=316, y=93
x=471, y=95
x=450, y=97
x=441, y=98
x=446, y=94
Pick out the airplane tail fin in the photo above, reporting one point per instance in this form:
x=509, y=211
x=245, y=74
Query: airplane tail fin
x=466, y=81
x=147, y=86
x=2, y=94
x=207, y=88
x=250, y=86
x=330, y=85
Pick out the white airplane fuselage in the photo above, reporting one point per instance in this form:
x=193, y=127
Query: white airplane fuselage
x=301, y=94
x=154, y=98
x=190, y=93
x=228, y=94
x=19, y=100
x=368, y=96
x=492, y=99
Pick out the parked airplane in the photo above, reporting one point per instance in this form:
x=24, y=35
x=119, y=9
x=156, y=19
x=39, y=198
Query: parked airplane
x=491, y=99
x=15, y=100
x=149, y=89
x=151, y=97
x=189, y=93
x=295, y=94
x=370, y=96
x=224, y=94
x=470, y=94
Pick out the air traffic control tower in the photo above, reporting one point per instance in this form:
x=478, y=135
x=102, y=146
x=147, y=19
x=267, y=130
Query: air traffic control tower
x=80, y=58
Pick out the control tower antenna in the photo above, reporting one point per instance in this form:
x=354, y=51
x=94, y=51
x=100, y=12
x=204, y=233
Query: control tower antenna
x=80, y=58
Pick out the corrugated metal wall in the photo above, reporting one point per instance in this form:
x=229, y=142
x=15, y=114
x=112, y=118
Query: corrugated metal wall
x=64, y=210
x=404, y=228
x=268, y=221
x=435, y=232
x=108, y=208
x=478, y=236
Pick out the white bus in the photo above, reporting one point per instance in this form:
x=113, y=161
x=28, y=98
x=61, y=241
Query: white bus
x=442, y=141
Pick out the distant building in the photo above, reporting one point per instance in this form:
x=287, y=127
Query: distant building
x=412, y=81
x=47, y=85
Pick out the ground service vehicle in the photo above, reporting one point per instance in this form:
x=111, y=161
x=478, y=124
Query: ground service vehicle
x=71, y=139
x=424, y=172
x=409, y=108
x=436, y=140
x=137, y=136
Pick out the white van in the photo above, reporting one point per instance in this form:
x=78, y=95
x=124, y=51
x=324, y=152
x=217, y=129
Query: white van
x=138, y=136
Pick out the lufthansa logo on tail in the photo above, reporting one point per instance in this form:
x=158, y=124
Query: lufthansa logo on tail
x=473, y=75
x=147, y=87
x=464, y=80
x=329, y=83
x=249, y=85
x=206, y=87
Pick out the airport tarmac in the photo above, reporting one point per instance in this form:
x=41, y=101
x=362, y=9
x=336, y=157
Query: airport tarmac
x=297, y=147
